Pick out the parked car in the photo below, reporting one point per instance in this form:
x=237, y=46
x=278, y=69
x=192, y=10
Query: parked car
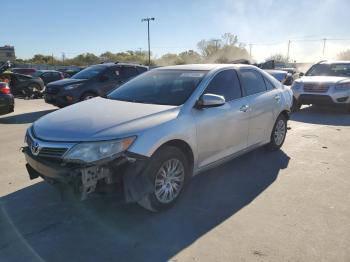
x=23, y=85
x=48, y=76
x=325, y=83
x=280, y=75
x=24, y=71
x=96, y=80
x=7, y=102
x=159, y=129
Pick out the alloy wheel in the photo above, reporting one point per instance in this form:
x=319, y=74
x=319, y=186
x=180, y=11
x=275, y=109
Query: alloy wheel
x=169, y=181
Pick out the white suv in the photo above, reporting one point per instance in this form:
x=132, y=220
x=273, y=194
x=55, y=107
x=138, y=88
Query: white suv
x=325, y=83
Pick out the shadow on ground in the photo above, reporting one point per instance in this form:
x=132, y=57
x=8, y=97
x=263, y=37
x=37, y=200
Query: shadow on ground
x=36, y=224
x=24, y=118
x=322, y=116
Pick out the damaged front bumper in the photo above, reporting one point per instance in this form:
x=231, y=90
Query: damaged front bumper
x=127, y=169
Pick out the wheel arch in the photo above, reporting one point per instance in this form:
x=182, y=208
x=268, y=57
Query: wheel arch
x=88, y=92
x=184, y=147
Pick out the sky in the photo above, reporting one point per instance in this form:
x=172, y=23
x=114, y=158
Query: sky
x=96, y=26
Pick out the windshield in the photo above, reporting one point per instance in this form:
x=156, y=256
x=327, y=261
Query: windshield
x=89, y=72
x=163, y=87
x=329, y=70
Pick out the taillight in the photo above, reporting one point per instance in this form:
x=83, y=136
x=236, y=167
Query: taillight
x=4, y=89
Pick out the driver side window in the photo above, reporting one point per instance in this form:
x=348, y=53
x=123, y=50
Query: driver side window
x=225, y=84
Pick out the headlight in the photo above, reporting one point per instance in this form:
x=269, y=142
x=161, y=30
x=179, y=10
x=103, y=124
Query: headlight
x=70, y=87
x=343, y=86
x=296, y=85
x=94, y=151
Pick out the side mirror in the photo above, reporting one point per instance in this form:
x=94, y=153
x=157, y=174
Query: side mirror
x=210, y=100
x=104, y=78
x=301, y=74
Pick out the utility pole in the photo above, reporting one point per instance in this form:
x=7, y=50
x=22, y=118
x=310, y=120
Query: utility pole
x=216, y=43
x=250, y=50
x=52, y=58
x=324, y=46
x=148, y=19
x=63, y=57
x=288, y=49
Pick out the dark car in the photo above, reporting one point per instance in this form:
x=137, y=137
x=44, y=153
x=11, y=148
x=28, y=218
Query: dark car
x=48, y=76
x=23, y=85
x=7, y=102
x=96, y=80
x=24, y=71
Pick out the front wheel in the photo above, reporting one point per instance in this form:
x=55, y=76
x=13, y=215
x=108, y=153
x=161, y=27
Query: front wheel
x=278, y=134
x=168, y=171
x=87, y=96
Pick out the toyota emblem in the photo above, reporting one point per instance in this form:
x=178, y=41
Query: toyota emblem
x=35, y=148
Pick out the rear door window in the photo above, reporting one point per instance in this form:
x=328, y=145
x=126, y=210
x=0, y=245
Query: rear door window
x=252, y=82
x=129, y=72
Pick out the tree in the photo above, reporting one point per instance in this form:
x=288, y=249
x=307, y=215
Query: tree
x=222, y=50
x=190, y=57
x=344, y=55
x=279, y=58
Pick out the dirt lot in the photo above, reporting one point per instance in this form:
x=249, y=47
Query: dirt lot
x=290, y=205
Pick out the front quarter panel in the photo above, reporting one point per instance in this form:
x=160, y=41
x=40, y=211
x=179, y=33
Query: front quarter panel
x=181, y=128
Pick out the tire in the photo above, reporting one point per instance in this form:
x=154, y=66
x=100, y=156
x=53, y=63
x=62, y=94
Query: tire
x=166, y=157
x=87, y=96
x=32, y=91
x=278, y=134
x=295, y=106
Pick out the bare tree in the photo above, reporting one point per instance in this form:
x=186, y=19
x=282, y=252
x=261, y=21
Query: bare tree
x=344, y=55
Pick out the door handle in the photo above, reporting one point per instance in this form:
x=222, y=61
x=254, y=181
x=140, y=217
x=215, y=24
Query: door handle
x=244, y=108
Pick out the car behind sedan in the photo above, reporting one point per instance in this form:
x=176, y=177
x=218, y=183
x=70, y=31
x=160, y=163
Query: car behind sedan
x=156, y=131
x=7, y=102
x=325, y=83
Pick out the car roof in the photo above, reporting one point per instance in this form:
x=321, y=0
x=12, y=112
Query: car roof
x=46, y=70
x=122, y=64
x=275, y=71
x=335, y=62
x=205, y=67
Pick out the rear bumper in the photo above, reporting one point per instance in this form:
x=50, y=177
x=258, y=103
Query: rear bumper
x=7, y=104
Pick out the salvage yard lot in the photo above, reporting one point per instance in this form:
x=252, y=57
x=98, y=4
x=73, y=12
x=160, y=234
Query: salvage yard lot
x=289, y=205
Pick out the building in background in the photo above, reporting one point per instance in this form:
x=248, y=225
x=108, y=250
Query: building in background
x=7, y=53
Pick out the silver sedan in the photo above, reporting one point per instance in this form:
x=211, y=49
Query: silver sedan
x=155, y=132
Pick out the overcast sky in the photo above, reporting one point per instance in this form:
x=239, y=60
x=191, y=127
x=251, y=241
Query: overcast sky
x=97, y=26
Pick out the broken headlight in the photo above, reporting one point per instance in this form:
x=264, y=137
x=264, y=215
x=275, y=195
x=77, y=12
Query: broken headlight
x=94, y=151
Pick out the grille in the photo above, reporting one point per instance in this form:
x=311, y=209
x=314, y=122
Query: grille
x=316, y=88
x=52, y=152
x=56, y=152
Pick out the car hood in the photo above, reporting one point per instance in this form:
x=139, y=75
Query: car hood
x=322, y=79
x=65, y=82
x=101, y=119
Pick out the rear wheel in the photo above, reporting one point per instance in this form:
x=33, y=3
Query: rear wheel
x=278, y=134
x=34, y=91
x=168, y=170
